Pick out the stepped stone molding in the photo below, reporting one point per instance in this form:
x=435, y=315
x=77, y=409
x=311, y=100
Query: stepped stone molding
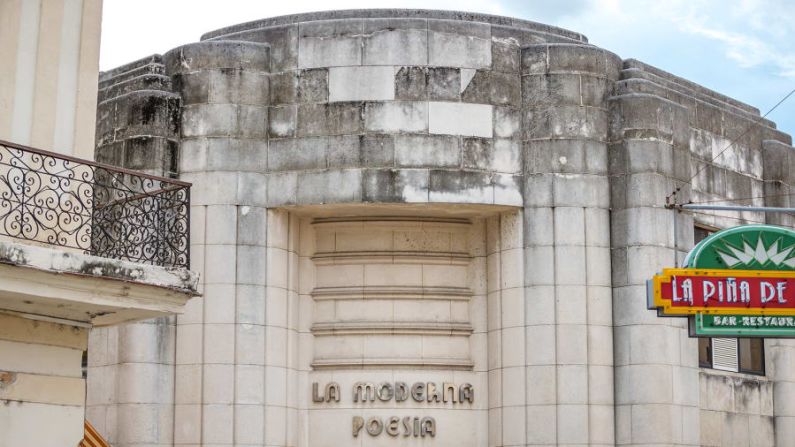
x=391, y=288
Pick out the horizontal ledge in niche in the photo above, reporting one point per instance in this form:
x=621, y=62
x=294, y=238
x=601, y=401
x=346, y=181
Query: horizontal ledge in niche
x=392, y=328
x=390, y=219
x=389, y=257
x=395, y=293
x=407, y=363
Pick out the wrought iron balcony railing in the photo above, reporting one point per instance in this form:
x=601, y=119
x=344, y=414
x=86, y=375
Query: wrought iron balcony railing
x=98, y=209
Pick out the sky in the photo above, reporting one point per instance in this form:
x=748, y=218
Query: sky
x=741, y=48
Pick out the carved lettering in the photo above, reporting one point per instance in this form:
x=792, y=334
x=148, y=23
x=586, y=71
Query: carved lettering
x=466, y=392
x=450, y=392
x=407, y=426
x=358, y=423
x=392, y=426
x=374, y=426
x=428, y=426
x=434, y=395
x=316, y=397
x=401, y=391
x=418, y=392
x=385, y=391
x=332, y=392
x=363, y=391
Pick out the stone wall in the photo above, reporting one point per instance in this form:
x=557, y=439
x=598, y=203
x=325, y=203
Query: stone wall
x=41, y=379
x=439, y=197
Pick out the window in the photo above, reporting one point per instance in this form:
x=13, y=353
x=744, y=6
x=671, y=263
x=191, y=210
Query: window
x=746, y=355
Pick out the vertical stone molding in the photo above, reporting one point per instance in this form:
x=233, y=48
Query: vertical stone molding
x=567, y=256
x=131, y=392
x=656, y=364
x=228, y=370
x=779, y=165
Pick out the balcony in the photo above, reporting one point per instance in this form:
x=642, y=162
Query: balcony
x=94, y=208
x=90, y=243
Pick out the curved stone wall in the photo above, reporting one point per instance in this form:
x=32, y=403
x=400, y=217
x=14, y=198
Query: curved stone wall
x=370, y=106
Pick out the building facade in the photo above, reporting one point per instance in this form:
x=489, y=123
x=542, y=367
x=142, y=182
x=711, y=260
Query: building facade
x=82, y=245
x=432, y=228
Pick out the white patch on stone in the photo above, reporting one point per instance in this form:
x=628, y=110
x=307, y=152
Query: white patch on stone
x=413, y=194
x=466, y=77
x=397, y=116
x=563, y=160
x=361, y=83
x=454, y=118
x=244, y=210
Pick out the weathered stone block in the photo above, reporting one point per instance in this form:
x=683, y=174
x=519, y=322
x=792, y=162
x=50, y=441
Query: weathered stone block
x=396, y=116
x=424, y=151
x=238, y=86
x=507, y=122
x=460, y=119
x=194, y=87
x=209, y=120
x=565, y=156
x=492, y=155
x=583, y=58
x=361, y=83
x=377, y=150
x=505, y=55
x=316, y=52
x=452, y=45
x=444, y=83
x=282, y=189
x=534, y=59
x=313, y=85
x=252, y=121
x=211, y=54
x=282, y=121
x=227, y=154
x=493, y=87
x=344, y=151
x=411, y=83
x=395, y=42
x=283, y=88
x=545, y=90
x=460, y=187
x=292, y=154
x=329, y=119
x=332, y=186
x=395, y=185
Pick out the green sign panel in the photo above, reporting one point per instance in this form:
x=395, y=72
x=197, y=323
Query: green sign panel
x=747, y=247
x=742, y=326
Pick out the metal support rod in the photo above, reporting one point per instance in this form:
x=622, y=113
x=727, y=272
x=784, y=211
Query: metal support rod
x=756, y=209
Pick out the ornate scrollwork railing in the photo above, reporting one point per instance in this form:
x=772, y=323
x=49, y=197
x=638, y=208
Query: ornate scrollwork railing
x=101, y=210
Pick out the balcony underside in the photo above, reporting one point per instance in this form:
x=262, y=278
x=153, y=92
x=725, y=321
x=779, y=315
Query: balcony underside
x=67, y=285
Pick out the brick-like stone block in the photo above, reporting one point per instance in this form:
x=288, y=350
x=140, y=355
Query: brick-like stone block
x=454, y=44
x=395, y=42
x=290, y=154
x=329, y=119
x=396, y=116
x=460, y=119
x=493, y=87
x=361, y=83
x=427, y=151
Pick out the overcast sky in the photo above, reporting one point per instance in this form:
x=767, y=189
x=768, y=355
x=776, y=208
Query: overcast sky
x=742, y=48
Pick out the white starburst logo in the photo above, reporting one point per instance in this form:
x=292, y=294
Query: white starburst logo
x=733, y=256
